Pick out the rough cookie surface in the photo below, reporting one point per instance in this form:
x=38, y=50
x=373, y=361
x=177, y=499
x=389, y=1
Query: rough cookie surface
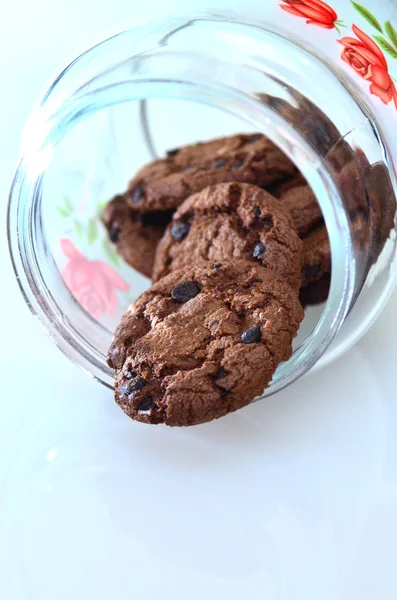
x=166, y=183
x=135, y=234
x=202, y=342
x=231, y=220
x=315, y=292
x=316, y=255
x=298, y=197
x=283, y=186
x=304, y=208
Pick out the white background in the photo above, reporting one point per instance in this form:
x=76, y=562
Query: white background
x=292, y=498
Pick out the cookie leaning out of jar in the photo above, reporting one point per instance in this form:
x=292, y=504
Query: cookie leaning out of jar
x=235, y=243
x=226, y=260
x=202, y=342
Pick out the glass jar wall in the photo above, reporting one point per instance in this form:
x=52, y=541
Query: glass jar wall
x=158, y=86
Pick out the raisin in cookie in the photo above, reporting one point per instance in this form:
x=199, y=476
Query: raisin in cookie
x=203, y=342
x=135, y=234
x=231, y=220
x=166, y=183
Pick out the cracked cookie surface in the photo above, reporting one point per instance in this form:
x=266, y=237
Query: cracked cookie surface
x=203, y=342
x=227, y=221
x=309, y=222
x=248, y=158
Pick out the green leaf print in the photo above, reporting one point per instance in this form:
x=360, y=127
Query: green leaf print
x=110, y=253
x=68, y=205
x=391, y=32
x=384, y=44
x=79, y=228
x=101, y=207
x=368, y=16
x=92, y=231
x=63, y=212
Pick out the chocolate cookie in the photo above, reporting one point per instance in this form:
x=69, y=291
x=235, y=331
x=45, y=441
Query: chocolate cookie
x=304, y=208
x=309, y=222
x=231, y=220
x=283, y=186
x=315, y=292
x=135, y=234
x=316, y=255
x=203, y=342
x=166, y=183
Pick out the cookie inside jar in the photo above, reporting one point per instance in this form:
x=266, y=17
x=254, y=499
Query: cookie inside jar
x=199, y=189
x=235, y=201
x=188, y=157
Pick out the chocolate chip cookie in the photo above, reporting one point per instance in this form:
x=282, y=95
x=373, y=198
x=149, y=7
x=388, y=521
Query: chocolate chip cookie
x=304, y=208
x=316, y=255
x=283, y=186
x=309, y=222
x=166, y=183
x=231, y=220
x=203, y=342
x=135, y=234
x=315, y=292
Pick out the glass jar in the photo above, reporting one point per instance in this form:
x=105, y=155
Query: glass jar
x=162, y=84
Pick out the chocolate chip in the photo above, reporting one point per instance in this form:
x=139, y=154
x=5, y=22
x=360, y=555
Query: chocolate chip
x=217, y=265
x=220, y=375
x=130, y=387
x=186, y=185
x=267, y=222
x=221, y=162
x=130, y=374
x=254, y=138
x=185, y=291
x=173, y=152
x=137, y=193
x=224, y=394
x=116, y=356
x=138, y=383
x=252, y=335
x=145, y=404
x=179, y=230
x=257, y=212
x=114, y=233
x=310, y=271
x=258, y=250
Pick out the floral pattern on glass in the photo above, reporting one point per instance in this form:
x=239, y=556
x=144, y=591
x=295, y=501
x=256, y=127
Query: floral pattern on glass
x=366, y=55
x=316, y=12
x=368, y=61
x=92, y=282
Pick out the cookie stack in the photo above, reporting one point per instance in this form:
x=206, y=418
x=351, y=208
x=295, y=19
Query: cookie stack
x=228, y=231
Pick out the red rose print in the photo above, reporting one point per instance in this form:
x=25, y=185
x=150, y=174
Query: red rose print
x=92, y=282
x=315, y=11
x=367, y=59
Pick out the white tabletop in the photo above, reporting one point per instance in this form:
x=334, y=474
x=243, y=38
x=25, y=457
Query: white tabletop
x=292, y=498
